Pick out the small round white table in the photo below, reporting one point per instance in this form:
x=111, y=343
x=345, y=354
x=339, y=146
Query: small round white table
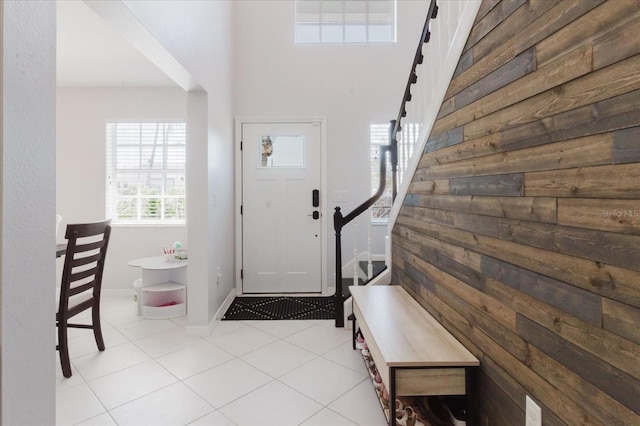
x=162, y=290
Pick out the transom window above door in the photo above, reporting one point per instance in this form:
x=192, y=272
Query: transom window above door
x=345, y=21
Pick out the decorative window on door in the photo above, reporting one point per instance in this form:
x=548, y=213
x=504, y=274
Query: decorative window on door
x=281, y=152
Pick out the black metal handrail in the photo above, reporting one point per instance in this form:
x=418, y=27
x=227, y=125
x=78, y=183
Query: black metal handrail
x=339, y=221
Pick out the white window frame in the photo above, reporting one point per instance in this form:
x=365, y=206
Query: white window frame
x=345, y=21
x=124, y=149
x=379, y=135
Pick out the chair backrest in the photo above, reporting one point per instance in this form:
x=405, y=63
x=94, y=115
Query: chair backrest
x=83, y=264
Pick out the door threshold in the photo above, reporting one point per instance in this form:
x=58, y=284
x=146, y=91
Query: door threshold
x=319, y=294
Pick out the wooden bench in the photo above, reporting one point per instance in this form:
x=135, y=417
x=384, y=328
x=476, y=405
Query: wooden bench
x=414, y=353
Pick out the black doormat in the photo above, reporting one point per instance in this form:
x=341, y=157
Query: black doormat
x=280, y=308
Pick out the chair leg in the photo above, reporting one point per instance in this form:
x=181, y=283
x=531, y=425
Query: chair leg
x=97, y=327
x=63, y=348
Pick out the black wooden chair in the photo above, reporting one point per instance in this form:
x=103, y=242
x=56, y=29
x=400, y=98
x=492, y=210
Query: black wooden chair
x=82, y=282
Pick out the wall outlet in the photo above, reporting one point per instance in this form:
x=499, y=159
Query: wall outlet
x=533, y=415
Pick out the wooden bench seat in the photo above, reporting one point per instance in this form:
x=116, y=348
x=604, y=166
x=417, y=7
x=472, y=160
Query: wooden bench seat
x=414, y=353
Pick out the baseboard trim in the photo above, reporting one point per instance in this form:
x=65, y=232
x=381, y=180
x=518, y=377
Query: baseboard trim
x=206, y=330
x=225, y=305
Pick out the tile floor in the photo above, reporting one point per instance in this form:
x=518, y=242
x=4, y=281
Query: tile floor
x=246, y=373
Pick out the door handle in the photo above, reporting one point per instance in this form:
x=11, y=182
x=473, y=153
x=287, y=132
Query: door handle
x=315, y=215
x=315, y=198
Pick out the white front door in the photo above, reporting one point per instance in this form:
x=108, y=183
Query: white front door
x=281, y=226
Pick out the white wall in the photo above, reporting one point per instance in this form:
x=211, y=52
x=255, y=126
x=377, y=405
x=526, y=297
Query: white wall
x=198, y=35
x=351, y=85
x=269, y=76
x=27, y=265
x=81, y=175
x=198, y=205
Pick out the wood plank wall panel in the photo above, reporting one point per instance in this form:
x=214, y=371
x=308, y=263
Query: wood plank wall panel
x=521, y=229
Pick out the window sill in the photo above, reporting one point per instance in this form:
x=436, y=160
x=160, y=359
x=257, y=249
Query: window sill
x=148, y=225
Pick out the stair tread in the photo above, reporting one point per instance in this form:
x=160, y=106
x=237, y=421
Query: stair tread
x=377, y=266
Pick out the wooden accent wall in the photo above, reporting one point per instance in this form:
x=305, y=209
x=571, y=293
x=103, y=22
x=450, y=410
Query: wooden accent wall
x=521, y=229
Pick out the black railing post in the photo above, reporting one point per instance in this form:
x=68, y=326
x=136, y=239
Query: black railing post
x=395, y=127
x=393, y=142
x=338, y=298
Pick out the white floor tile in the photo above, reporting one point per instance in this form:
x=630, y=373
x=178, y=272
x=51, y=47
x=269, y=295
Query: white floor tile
x=167, y=342
x=109, y=304
x=194, y=359
x=181, y=321
x=140, y=329
x=319, y=339
x=174, y=405
x=243, y=340
x=154, y=373
x=280, y=328
x=278, y=358
x=126, y=385
x=75, y=404
x=322, y=380
x=103, y=419
x=224, y=327
x=82, y=318
x=111, y=360
x=328, y=324
x=345, y=355
x=86, y=343
x=361, y=406
x=122, y=317
x=227, y=382
x=327, y=417
x=213, y=419
x=271, y=405
x=62, y=382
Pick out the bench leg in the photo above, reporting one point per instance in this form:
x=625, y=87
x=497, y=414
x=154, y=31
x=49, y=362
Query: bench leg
x=467, y=391
x=392, y=396
x=353, y=332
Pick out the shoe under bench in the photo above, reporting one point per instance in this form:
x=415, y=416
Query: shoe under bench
x=414, y=353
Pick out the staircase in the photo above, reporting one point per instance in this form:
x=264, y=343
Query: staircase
x=389, y=151
x=378, y=267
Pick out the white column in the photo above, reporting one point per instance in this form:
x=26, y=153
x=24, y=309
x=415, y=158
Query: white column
x=28, y=188
x=199, y=272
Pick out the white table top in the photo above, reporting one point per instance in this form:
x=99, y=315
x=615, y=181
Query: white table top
x=157, y=262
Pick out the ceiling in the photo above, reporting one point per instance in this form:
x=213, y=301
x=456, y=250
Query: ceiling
x=91, y=53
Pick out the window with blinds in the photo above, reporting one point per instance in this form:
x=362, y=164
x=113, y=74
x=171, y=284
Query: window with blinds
x=379, y=135
x=345, y=21
x=146, y=173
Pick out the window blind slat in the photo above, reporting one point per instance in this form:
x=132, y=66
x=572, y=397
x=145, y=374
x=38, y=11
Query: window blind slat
x=340, y=21
x=146, y=173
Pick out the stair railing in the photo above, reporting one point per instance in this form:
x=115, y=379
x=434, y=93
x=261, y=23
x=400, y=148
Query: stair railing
x=339, y=221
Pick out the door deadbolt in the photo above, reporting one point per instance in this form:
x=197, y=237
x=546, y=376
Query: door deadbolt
x=315, y=215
